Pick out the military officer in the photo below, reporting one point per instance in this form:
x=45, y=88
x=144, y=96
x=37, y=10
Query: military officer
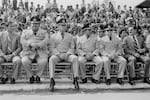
x=87, y=51
x=34, y=42
x=110, y=48
x=62, y=46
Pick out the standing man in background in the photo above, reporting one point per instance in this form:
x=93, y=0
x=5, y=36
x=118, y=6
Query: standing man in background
x=27, y=5
x=15, y=4
x=48, y=5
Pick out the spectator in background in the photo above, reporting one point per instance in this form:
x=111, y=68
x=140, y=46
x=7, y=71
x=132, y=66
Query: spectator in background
x=21, y=5
x=48, y=5
x=4, y=4
x=15, y=4
x=61, y=10
x=27, y=5
x=55, y=5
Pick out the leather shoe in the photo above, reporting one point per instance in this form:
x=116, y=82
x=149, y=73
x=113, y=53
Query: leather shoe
x=119, y=81
x=38, y=80
x=32, y=79
x=76, y=83
x=12, y=81
x=95, y=81
x=146, y=80
x=84, y=81
x=108, y=81
x=4, y=80
x=131, y=81
x=52, y=84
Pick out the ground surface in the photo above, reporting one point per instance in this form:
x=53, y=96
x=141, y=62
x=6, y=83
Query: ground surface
x=65, y=87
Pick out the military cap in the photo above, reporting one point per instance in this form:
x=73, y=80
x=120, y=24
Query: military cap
x=35, y=20
x=61, y=20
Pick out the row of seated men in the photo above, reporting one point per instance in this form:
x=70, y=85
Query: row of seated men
x=35, y=45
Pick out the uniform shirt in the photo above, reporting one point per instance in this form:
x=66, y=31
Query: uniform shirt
x=88, y=46
x=62, y=45
x=41, y=38
x=110, y=47
x=81, y=39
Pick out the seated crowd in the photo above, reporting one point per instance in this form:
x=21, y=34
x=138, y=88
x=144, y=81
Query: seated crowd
x=97, y=35
x=103, y=47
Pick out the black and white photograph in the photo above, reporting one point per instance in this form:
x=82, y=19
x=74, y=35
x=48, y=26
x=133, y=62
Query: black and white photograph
x=74, y=49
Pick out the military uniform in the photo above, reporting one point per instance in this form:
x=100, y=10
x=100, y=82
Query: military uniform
x=112, y=50
x=89, y=46
x=40, y=54
x=64, y=46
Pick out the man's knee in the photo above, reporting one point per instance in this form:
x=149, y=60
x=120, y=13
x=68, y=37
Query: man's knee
x=74, y=58
x=146, y=60
x=106, y=60
x=16, y=60
x=25, y=60
x=123, y=61
x=53, y=58
x=131, y=59
x=43, y=61
x=98, y=60
x=81, y=60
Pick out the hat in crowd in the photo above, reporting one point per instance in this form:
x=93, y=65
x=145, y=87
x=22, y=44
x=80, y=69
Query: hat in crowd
x=109, y=26
x=1, y=19
x=35, y=20
x=86, y=27
x=94, y=25
x=3, y=24
x=100, y=29
x=108, y=29
x=129, y=19
x=61, y=20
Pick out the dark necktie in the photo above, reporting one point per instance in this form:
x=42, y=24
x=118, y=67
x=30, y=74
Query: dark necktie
x=110, y=38
x=62, y=34
x=35, y=33
x=135, y=42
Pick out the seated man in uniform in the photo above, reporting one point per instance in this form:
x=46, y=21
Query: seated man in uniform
x=111, y=49
x=10, y=48
x=34, y=42
x=62, y=46
x=87, y=51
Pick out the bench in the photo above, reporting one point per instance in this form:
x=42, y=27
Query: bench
x=64, y=69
